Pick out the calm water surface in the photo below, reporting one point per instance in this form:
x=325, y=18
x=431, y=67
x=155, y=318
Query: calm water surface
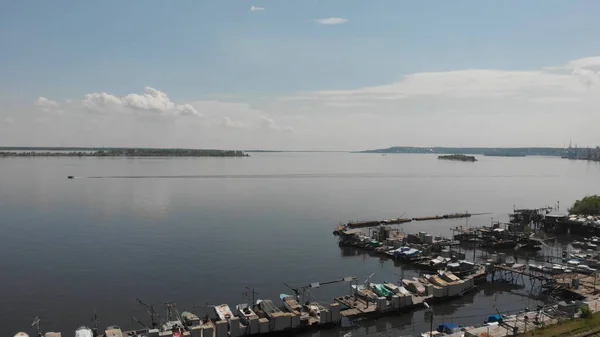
x=199, y=230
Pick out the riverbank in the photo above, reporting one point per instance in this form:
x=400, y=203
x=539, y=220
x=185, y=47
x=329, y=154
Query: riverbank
x=575, y=327
x=124, y=152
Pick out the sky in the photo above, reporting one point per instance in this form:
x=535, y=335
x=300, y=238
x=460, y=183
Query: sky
x=299, y=74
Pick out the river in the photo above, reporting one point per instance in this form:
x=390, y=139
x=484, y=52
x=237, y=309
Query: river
x=197, y=231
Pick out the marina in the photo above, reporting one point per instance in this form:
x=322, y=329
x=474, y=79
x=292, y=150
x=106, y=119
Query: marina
x=446, y=274
x=265, y=249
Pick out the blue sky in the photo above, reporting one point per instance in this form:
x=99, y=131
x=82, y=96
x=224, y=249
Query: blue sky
x=206, y=50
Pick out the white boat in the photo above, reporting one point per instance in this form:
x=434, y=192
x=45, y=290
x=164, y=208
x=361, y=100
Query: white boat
x=584, y=269
x=224, y=312
x=364, y=292
x=291, y=304
x=245, y=312
x=113, y=331
x=84, y=331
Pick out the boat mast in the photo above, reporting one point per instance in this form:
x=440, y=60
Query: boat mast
x=253, y=295
x=95, y=324
x=36, y=323
x=150, y=310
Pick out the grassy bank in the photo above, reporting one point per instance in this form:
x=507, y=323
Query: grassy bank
x=570, y=328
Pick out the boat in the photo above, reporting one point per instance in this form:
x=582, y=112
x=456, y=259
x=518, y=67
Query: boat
x=113, y=331
x=448, y=276
x=21, y=334
x=398, y=290
x=224, y=312
x=414, y=286
x=70, y=177
x=364, y=292
x=436, y=280
x=448, y=328
x=584, y=269
x=380, y=290
x=268, y=307
x=84, y=331
x=245, y=312
x=290, y=302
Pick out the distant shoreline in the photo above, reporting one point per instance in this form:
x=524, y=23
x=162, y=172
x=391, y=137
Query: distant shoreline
x=116, y=152
x=487, y=151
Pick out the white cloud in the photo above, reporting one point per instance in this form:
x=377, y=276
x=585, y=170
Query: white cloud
x=235, y=124
x=187, y=110
x=151, y=100
x=257, y=9
x=331, y=21
x=101, y=102
x=48, y=105
x=269, y=124
x=9, y=120
x=68, y=101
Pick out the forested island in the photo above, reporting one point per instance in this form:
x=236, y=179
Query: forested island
x=115, y=152
x=460, y=157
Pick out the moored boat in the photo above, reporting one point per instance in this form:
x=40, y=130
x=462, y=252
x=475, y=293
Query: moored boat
x=380, y=290
x=224, y=312
x=414, y=286
x=398, y=290
x=113, y=331
x=364, y=292
x=84, y=331
x=245, y=312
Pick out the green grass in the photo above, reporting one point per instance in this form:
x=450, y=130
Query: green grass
x=568, y=328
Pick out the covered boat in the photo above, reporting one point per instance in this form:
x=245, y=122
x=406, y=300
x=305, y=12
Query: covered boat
x=448, y=276
x=268, y=307
x=113, y=331
x=290, y=302
x=380, y=290
x=436, y=280
x=84, y=331
x=495, y=318
x=448, y=328
x=245, y=312
x=414, y=286
x=224, y=312
x=362, y=291
x=398, y=290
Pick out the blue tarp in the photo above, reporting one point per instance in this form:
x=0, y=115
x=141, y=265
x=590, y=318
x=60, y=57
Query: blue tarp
x=495, y=318
x=447, y=327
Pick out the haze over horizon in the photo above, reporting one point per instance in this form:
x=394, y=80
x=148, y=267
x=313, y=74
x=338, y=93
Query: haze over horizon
x=289, y=75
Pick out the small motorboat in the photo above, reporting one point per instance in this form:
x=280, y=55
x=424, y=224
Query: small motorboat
x=84, y=331
x=70, y=177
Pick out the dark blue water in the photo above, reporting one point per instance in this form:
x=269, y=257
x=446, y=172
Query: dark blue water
x=199, y=230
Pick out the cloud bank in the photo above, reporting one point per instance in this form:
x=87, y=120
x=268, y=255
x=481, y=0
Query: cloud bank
x=151, y=100
x=470, y=107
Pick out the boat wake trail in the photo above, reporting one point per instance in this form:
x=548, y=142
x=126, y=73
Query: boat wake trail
x=310, y=176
